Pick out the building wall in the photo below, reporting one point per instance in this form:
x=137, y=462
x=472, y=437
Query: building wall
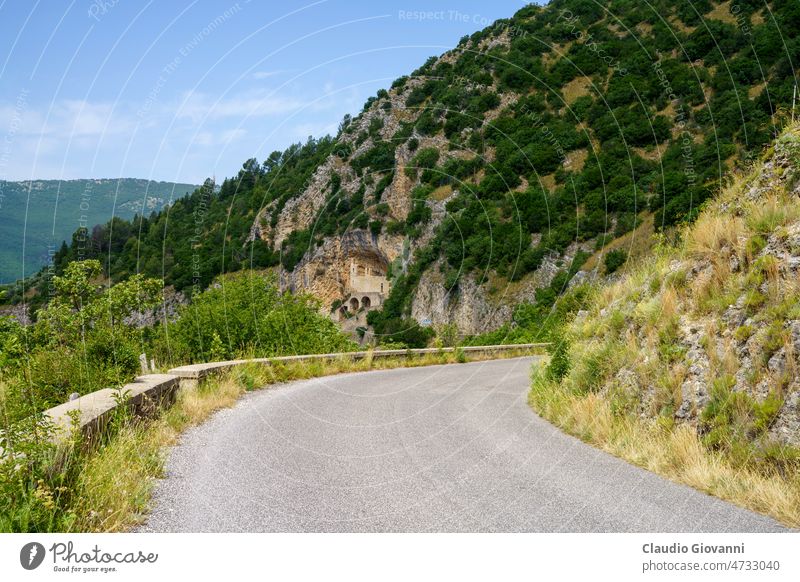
x=369, y=284
x=367, y=279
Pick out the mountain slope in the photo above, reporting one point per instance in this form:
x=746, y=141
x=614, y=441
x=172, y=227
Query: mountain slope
x=40, y=214
x=699, y=344
x=495, y=171
x=522, y=150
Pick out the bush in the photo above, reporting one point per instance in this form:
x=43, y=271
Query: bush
x=405, y=331
x=560, y=364
x=245, y=314
x=614, y=260
x=82, y=341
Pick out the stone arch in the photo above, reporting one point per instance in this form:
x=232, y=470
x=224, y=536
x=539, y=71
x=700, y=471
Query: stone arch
x=365, y=302
x=353, y=304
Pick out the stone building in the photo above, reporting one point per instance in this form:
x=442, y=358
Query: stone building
x=367, y=288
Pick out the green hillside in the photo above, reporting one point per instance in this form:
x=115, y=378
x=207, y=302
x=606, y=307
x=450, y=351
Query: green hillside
x=563, y=124
x=36, y=216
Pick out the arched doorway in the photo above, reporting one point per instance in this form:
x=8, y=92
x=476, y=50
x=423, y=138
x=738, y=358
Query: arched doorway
x=365, y=302
x=353, y=304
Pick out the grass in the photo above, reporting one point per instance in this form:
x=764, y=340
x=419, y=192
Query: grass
x=635, y=243
x=113, y=490
x=712, y=233
x=441, y=193
x=578, y=87
x=627, y=372
x=674, y=452
x=722, y=12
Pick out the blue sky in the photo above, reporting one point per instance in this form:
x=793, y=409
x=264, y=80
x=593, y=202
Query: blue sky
x=179, y=91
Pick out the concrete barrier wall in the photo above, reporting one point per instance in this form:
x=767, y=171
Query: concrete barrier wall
x=91, y=412
x=148, y=393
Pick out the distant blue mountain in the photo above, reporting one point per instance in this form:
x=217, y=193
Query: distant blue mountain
x=36, y=216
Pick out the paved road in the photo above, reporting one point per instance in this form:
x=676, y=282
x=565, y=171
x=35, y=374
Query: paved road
x=443, y=448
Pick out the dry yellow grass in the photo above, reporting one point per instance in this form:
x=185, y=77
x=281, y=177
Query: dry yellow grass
x=442, y=192
x=636, y=242
x=644, y=28
x=576, y=159
x=578, y=87
x=674, y=453
x=712, y=232
x=677, y=24
x=756, y=90
x=653, y=153
x=641, y=322
x=722, y=12
x=556, y=52
x=549, y=181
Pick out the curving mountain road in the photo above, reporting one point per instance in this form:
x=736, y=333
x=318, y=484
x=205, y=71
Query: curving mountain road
x=441, y=448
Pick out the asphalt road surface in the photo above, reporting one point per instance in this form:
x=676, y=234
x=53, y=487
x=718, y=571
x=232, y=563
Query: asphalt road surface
x=441, y=448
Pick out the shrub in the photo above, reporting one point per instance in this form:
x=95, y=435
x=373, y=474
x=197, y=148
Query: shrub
x=246, y=314
x=614, y=260
x=405, y=331
x=560, y=364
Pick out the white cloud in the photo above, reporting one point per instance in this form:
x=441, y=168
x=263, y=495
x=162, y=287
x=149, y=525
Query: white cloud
x=210, y=138
x=267, y=74
x=232, y=135
x=181, y=136
x=67, y=119
x=203, y=138
x=258, y=103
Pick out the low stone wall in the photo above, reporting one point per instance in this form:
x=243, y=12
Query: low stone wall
x=91, y=412
x=148, y=393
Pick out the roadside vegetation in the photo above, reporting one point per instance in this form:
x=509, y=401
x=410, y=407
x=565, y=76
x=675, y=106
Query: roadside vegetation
x=84, y=339
x=687, y=364
x=106, y=486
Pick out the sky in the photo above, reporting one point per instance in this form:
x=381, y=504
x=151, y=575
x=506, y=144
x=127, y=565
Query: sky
x=181, y=91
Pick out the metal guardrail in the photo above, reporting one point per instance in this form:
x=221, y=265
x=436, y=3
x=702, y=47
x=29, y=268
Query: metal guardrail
x=147, y=393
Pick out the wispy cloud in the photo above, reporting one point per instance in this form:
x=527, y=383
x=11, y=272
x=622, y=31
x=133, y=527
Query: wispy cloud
x=185, y=136
x=256, y=103
x=71, y=118
x=224, y=138
x=267, y=74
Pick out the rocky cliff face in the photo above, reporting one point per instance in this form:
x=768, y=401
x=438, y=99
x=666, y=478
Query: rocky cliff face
x=708, y=333
x=167, y=310
x=325, y=271
x=506, y=117
x=477, y=308
x=18, y=312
